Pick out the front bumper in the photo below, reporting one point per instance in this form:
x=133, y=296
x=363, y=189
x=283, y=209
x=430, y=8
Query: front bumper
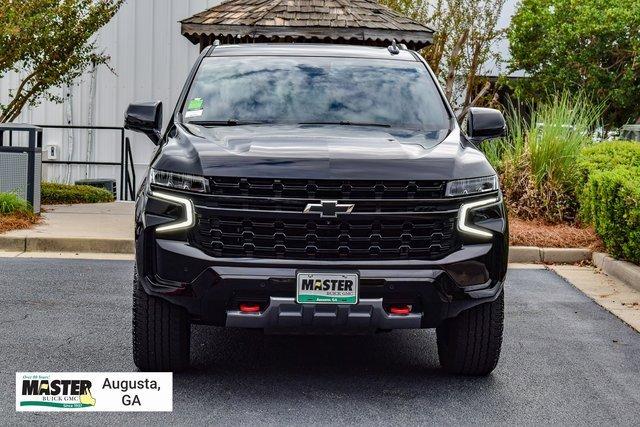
x=286, y=314
x=211, y=289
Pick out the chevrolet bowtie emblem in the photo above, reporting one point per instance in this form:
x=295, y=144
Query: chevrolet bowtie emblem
x=328, y=208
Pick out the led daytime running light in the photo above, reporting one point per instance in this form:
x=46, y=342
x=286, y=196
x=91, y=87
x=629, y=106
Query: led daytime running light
x=182, y=224
x=464, y=213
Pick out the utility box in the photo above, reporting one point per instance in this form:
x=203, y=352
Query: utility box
x=21, y=162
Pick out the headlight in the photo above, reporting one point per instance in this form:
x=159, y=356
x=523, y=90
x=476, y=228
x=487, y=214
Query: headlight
x=179, y=181
x=466, y=187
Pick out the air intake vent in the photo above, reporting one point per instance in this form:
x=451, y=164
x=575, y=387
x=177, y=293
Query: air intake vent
x=326, y=189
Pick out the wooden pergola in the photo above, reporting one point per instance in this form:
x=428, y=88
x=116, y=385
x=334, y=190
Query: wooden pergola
x=363, y=22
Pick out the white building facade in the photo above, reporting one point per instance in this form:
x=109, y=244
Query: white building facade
x=151, y=61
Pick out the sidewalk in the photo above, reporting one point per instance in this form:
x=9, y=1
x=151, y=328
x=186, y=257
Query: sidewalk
x=91, y=228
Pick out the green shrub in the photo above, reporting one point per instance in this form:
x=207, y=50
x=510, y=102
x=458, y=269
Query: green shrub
x=608, y=155
x=11, y=203
x=62, y=194
x=612, y=200
x=603, y=157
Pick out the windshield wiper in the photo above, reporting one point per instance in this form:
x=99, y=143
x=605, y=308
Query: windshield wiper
x=230, y=122
x=347, y=123
x=233, y=122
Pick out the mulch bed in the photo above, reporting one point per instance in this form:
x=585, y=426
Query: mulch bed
x=17, y=222
x=535, y=233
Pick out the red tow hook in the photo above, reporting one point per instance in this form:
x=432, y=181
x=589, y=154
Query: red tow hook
x=250, y=308
x=400, y=310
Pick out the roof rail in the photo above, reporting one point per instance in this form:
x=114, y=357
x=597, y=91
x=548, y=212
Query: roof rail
x=393, y=49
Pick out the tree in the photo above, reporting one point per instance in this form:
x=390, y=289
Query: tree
x=49, y=42
x=466, y=30
x=589, y=45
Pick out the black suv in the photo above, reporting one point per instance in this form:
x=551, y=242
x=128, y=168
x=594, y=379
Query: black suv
x=318, y=189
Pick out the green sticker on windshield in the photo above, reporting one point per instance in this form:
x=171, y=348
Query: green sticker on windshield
x=195, y=104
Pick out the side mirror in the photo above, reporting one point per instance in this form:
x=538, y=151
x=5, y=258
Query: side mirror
x=485, y=123
x=145, y=118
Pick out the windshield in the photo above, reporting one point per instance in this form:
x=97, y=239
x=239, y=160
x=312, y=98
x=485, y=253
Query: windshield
x=315, y=90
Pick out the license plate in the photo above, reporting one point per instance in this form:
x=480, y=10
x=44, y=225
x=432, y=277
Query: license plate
x=327, y=288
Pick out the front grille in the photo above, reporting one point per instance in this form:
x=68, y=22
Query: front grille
x=264, y=218
x=326, y=189
x=347, y=237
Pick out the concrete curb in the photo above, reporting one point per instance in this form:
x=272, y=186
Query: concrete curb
x=532, y=254
x=525, y=254
x=12, y=244
x=624, y=271
x=565, y=256
x=66, y=244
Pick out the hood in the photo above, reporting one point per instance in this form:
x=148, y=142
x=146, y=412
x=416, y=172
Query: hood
x=320, y=152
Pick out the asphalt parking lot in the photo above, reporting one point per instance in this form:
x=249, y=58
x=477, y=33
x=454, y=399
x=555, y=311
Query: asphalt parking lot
x=565, y=360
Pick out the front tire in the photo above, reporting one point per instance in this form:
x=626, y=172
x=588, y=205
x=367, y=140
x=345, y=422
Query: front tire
x=470, y=343
x=161, y=333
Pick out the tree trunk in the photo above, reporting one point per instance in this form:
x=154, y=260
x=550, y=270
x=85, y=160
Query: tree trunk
x=473, y=103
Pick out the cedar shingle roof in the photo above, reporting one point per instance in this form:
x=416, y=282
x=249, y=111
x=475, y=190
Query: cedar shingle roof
x=346, y=21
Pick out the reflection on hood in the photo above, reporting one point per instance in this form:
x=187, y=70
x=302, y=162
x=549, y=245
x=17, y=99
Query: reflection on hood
x=313, y=141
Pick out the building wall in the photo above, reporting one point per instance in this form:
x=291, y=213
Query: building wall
x=150, y=60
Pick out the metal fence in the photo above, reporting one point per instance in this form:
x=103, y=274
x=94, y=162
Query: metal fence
x=128, y=183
